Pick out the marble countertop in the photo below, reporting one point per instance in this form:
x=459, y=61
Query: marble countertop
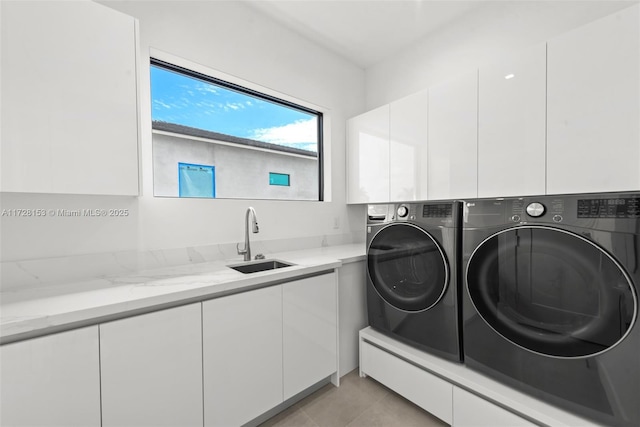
x=31, y=312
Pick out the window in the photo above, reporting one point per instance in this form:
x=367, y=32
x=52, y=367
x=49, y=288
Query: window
x=279, y=179
x=200, y=120
x=196, y=181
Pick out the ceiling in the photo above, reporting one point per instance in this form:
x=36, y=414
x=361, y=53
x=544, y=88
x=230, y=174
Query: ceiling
x=364, y=31
x=368, y=31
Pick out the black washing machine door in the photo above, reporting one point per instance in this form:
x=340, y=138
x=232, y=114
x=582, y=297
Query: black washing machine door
x=407, y=267
x=551, y=291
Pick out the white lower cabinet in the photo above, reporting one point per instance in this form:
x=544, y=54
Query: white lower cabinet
x=417, y=385
x=470, y=410
x=151, y=369
x=222, y=362
x=52, y=380
x=352, y=313
x=242, y=351
x=309, y=332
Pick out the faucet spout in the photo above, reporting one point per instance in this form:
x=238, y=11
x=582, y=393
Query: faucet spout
x=249, y=215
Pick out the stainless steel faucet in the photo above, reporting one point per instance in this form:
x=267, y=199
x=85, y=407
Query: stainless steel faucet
x=254, y=228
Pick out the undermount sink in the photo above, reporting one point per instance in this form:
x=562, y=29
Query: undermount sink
x=257, y=266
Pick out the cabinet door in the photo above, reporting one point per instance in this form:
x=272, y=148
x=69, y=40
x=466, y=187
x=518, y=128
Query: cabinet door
x=151, y=368
x=408, y=148
x=426, y=390
x=470, y=410
x=453, y=136
x=242, y=356
x=310, y=332
x=511, y=125
x=593, y=134
x=352, y=316
x=69, y=89
x=368, y=157
x=51, y=381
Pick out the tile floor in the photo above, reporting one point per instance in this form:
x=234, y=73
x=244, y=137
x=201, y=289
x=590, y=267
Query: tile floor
x=358, y=402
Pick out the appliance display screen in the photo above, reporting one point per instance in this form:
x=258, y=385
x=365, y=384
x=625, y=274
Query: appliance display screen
x=437, y=211
x=609, y=208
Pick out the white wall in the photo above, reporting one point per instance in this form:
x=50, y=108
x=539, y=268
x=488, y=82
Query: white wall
x=480, y=36
x=233, y=38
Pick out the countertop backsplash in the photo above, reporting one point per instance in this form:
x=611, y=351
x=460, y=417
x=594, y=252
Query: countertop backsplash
x=36, y=273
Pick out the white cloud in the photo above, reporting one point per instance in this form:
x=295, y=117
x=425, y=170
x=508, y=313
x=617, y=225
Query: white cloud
x=160, y=104
x=203, y=87
x=298, y=134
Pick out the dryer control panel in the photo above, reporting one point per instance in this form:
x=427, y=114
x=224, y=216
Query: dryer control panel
x=609, y=208
x=604, y=211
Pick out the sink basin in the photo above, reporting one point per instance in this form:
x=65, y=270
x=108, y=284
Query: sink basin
x=260, y=265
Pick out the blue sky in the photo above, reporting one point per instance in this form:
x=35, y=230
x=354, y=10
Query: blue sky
x=191, y=102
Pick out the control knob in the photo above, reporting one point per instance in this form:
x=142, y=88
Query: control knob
x=402, y=211
x=535, y=209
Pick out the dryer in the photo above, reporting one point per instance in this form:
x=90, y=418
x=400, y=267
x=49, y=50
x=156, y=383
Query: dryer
x=412, y=271
x=550, y=300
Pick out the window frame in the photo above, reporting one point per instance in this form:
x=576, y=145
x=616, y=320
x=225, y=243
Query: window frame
x=155, y=61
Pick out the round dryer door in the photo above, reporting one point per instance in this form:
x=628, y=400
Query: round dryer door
x=551, y=291
x=407, y=267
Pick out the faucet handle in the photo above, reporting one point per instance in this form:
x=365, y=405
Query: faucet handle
x=260, y=256
x=240, y=251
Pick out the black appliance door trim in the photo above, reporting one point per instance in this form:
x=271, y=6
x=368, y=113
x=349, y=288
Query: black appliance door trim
x=531, y=331
x=377, y=281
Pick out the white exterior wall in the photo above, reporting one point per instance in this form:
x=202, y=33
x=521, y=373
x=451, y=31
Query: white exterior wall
x=488, y=32
x=240, y=172
x=237, y=40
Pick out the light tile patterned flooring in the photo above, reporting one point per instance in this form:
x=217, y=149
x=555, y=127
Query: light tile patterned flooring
x=358, y=402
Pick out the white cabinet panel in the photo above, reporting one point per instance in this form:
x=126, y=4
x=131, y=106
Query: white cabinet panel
x=368, y=157
x=593, y=135
x=511, y=125
x=473, y=411
x=453, y=137
x=352, y=307
x=52, y=380
x=408, y=148
x=242, y=347
x=419, y=386
x=69, y=89
x=151, y=368
x=309, y=332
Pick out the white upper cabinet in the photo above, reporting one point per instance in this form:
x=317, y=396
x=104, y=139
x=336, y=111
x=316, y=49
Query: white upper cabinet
x=69, y=96
x=151, y=367
x=368, y=157
x=386, y=152
x=511, y=125
x=593, y=130
x=453, y=138
x=52, y=380
x=408, y=148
